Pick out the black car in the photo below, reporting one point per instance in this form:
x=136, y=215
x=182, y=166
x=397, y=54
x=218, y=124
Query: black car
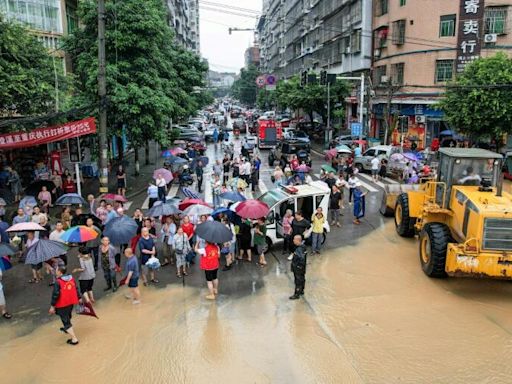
x=284, y=149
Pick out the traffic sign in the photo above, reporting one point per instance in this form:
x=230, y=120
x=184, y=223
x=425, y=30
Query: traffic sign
x=356, y=129
x=271, y=80
x=261, y=81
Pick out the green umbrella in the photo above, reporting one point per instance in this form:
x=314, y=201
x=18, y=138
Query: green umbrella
x=327, y=168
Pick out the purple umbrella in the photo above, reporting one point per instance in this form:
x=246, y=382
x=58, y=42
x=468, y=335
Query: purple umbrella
x=166, y=174
x=410, y=156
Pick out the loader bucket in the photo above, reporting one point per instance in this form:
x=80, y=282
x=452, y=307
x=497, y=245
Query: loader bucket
x=391, y=192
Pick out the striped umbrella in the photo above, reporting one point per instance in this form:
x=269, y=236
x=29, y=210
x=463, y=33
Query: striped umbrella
x=191, y=194
x=79, y=234
x=44, y=250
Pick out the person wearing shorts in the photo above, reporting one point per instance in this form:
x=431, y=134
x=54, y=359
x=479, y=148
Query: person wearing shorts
x=375, y=168
x=132, y=276
x=65, y=295
x=87, y=274
x=121, y=181
x=209, y=263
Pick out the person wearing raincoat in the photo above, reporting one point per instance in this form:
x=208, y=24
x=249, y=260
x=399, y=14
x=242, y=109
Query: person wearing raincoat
x=215, y=135
x=359, y=203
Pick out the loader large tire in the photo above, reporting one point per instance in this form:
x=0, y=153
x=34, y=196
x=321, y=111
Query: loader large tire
x=403, y=222
x=434, y=239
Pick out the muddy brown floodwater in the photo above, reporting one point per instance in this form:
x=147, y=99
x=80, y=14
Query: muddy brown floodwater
x=370, y=316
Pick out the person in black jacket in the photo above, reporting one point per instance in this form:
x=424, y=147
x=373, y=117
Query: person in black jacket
x=299, y=267
x=299, y=226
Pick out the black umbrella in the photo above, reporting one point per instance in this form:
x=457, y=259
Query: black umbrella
x=44, y=250
x=36, y=187
x=160, y=209
x=214, y=232
x=82, y=220
x=120, y=230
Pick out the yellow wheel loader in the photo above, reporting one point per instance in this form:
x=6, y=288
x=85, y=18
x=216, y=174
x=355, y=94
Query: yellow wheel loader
x=464, y=220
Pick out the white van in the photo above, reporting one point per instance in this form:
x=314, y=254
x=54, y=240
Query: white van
x=307, y=198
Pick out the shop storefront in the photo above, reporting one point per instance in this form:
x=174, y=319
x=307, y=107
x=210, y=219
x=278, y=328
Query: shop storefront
x=419, y=123
x=36, y=154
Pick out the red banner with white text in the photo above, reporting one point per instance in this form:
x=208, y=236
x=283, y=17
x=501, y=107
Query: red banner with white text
x=48, y=135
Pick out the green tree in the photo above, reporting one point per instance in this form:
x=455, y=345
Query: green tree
x=27, y=73
x=245, y=88
x=479, y=102
x=149, y=78
x=310, y=98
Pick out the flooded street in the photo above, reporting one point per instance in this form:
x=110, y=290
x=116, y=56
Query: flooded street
x=369, y=316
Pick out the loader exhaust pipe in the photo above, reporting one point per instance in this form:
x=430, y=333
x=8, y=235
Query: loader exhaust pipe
x=499, y=187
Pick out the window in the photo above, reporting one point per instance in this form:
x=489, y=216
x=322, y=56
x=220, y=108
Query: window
x=381, y=37
x=402, y=3
x=447, y=26
x=397, y=73
x=444, y=70
x=399, y=32
x=356, y=41
x=381, y=7
x=378, y=74
x=495, y=20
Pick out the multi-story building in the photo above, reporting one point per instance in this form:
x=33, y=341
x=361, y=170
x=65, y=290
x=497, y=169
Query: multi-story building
x=252, y=56
x=183, y=17
x=298, y=35
x=419, y=48
x=49, y=20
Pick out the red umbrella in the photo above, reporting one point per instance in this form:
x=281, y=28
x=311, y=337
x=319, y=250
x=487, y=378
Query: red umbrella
x=188, y=202
x=86, y=309
x=114, y=197
x=252, y=209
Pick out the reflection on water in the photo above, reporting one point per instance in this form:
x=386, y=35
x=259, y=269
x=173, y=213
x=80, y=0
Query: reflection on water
x=370, y=316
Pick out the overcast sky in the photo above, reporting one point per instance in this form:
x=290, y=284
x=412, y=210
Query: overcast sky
x=225, y=52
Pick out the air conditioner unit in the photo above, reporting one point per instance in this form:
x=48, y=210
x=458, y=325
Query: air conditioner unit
x=490, y=38
x=347, y=50
x=420, y=119
x=383, y=79
x=376, y=53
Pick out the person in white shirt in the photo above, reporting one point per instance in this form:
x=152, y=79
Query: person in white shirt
x=161, y=184
x=57, y=232
x=375, y=168
x=352, y=183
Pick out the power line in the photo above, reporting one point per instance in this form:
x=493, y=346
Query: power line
x=254, y=17
x=224, y=6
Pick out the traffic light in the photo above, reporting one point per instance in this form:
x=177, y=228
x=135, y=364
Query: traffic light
x=323, y=78
x=303, y=78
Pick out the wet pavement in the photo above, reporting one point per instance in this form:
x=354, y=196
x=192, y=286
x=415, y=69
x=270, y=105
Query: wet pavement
x=369, y=315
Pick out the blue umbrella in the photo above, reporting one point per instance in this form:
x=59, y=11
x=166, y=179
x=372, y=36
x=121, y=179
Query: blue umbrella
x=214, y=232
x=167, y=153
x=5, y=263
x=120, y=230
x=27, y=200
x=191, y=194
x=70, y=199
x=44, y=250
x=160, y=209
x=175, y=160
x=233, y=196
x=232, y=216
x=6, y=249
x=203, y=159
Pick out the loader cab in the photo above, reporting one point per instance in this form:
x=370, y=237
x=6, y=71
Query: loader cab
x=467, y=167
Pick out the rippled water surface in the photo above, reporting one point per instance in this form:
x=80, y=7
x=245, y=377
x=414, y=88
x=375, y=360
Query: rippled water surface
x=370, y=316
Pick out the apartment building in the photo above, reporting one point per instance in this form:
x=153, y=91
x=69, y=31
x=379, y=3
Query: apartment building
x=417, y=49
x=49, y=20
x=252, y=56
x=183, y=17
x=298, y=35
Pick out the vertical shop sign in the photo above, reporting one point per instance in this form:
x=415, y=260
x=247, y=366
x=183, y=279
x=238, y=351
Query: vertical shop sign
x=469, y=40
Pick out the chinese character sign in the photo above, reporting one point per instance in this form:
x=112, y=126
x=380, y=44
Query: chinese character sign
x=48, y=135
x=469, y=41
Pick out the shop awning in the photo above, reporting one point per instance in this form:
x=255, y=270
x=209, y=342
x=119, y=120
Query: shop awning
x=48, y=134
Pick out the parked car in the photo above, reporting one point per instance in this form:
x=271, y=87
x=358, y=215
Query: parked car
x=364, y=162
x=208, y=132
x=284, y=149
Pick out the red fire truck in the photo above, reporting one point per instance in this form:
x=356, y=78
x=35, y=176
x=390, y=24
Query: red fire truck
x=269, y=133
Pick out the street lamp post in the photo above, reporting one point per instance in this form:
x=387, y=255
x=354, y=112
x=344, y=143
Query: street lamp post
x=102, y=95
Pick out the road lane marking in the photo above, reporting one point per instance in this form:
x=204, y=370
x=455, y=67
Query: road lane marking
x=370, y=179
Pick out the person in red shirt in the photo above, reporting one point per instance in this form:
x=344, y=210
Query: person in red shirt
x=68, y=185
x=209, y=263
x=188, y=227
x=294, y=163
x=65, y=295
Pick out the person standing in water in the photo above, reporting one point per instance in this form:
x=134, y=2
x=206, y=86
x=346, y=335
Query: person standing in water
x=299, y=267
x=209, y=263
x=65, y=296
x=132, y=276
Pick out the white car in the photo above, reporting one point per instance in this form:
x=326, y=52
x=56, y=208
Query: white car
x=208, y=132
x=306, y=198
x=364, y=162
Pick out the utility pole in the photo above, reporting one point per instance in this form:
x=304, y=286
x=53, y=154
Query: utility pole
x=361, y=110
x=102, y=95
x=328, y=130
